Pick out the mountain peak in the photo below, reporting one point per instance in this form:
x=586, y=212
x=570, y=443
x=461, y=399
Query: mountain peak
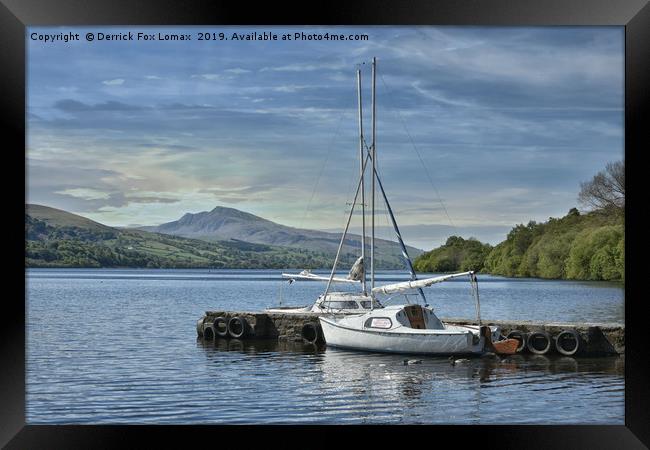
x=224, y=211
x=223, y=223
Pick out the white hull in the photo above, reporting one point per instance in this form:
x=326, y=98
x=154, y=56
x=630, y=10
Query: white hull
x=401, y=340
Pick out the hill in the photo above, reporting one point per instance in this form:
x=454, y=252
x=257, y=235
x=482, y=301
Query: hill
x=228, y=223
x=56, y=238
x=580, y=247
x=59, y=218
x=457, y=254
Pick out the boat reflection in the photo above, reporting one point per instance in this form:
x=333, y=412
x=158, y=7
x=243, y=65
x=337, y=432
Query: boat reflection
x=375, y=387
x=377, y=366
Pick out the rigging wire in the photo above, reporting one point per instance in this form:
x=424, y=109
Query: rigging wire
x=420, y=158
x=322, y=169
x=388, y=227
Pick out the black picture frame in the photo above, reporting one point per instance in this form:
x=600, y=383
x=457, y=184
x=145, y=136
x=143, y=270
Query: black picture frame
x=634, y=15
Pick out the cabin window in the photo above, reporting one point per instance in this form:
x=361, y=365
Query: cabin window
x=366, y=304
x=379, y=322
x=349, y=304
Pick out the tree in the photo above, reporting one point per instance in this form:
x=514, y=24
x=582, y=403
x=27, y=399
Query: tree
x=606, y=190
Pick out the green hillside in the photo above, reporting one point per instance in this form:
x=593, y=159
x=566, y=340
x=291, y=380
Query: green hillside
x=580, y=247
x=457, y=254
x=56, y=238
x=59, y=218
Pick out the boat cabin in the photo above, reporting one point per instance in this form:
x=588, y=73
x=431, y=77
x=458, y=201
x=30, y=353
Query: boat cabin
x=345, y=302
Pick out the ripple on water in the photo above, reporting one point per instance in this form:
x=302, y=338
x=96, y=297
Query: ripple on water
x=120, y=347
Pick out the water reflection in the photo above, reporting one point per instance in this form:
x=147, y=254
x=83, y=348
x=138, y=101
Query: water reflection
x=352, y=365
x=90, y=359
x=371, y=387
x=258, y=346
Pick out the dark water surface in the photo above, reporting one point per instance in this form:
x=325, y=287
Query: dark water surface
x=120, y=346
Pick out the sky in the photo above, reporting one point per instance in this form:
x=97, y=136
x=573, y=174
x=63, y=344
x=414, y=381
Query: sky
x=478, y=128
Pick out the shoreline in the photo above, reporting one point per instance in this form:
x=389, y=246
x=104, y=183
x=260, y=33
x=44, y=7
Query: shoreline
x=219, y=269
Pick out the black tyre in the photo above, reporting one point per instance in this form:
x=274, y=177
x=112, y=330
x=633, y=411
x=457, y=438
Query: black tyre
x=312, y=333
x=220, y=326
x=568, y=342
x=208, y=332
x=539, y=342
x=521, y=337
x=237, y=327
x=199, y=326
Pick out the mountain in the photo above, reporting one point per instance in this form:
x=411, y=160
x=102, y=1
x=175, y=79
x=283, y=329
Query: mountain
x=57, y=238
x=228, y=223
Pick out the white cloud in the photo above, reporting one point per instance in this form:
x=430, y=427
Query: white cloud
x=290, y=88
x=237, y=71
x=207, y=76
x=115, y=82
x=304, y=67
x=85, y=193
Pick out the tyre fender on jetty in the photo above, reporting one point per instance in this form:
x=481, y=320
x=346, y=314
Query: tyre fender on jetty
x=539, y=342
x=569, y=342
x=521, y=337
x=237, y=327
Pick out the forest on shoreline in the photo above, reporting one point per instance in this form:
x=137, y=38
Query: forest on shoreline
x=575, y=247
x=589, y=246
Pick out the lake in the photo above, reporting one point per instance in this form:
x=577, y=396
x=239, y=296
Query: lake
x=110, y=346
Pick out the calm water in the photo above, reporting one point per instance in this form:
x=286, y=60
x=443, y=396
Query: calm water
x=120, y=346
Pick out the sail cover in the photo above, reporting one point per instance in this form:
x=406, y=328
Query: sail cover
x=357, y=271
x=304, y=275
x=415, y=284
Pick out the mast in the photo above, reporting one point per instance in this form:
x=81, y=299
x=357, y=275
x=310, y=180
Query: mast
x=363, y=199
x=372, y=198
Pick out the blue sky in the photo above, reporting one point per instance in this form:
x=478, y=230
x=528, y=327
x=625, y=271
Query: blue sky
x=508, y=122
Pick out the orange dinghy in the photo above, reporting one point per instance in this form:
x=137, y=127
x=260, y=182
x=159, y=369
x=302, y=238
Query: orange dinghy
x=506, y=346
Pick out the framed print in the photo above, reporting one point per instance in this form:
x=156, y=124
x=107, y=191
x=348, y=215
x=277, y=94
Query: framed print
x=239, y=219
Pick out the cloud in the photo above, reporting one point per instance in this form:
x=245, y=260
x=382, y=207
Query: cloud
x=115, y=82
x=303, y=67
x=70, y=105
x=208, y=76
x=237, y=71
x=491, y=110
x=85, y=193
x=183, y=106
x=151, y=199
x=291, y=88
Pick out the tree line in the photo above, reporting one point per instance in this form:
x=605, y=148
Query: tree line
x=588, y=246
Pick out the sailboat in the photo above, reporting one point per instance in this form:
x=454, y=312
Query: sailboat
x=358, y=320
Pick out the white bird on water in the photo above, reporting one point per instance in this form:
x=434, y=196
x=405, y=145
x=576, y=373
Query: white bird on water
x=408, y=362
x=457, y=361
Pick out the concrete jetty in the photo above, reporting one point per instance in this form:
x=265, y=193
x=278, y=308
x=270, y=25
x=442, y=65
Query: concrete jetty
x=593, y=339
